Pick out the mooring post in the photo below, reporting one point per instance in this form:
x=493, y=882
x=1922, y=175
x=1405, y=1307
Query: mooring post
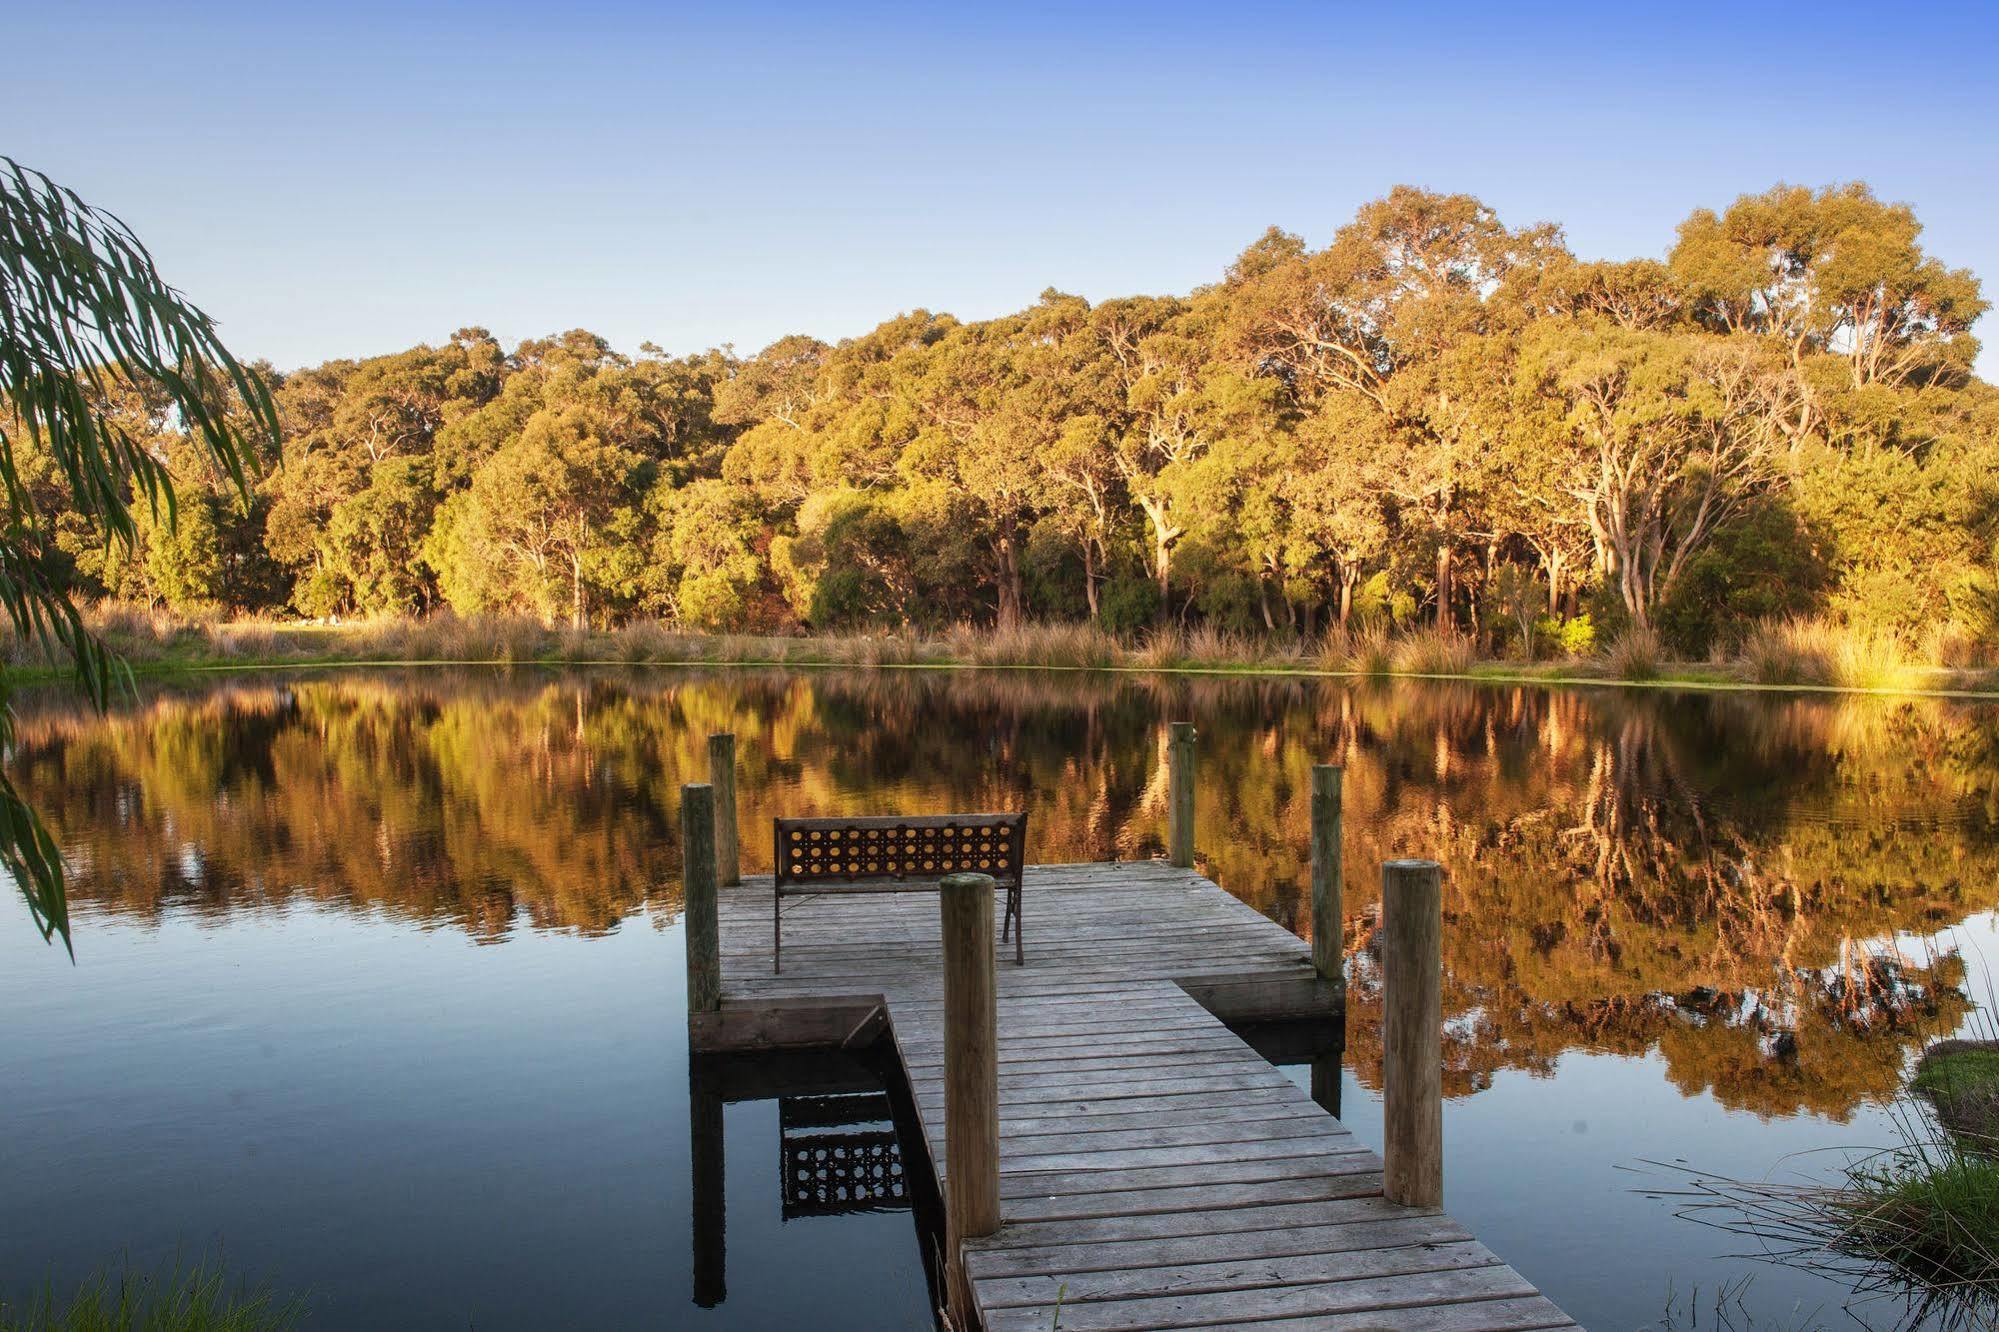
x=1412, y=1031
x=722, y=776
x=1328, y=914
x=971, y=1077
x=1180, y=795
x=697, y=876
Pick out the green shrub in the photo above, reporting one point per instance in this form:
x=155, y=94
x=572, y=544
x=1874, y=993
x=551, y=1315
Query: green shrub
x=1759, y=568
x=1571, y=636
x=1127, y=604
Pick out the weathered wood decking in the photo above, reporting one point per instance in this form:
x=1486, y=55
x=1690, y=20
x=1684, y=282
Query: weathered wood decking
x=1155, y=1170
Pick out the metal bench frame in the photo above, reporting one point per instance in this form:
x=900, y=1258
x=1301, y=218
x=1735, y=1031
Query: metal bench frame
x=896, y=854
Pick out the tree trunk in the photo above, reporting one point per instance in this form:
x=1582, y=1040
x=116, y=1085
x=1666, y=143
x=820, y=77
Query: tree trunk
x=1443, y=587
x=1348, y=577
x=1009, y=581
x=1090, y=575
x=578, y=616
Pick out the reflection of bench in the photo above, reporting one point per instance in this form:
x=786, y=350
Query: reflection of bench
x=839, y=1155
x=897, y=854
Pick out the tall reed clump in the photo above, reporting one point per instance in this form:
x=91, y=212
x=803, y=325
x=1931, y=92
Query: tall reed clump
x=1209, y=646
x=1820, y=651
x=1785, y=652
x=1162, y=648
x=1636, y=654
x=1434, y=652
x=1071, y=645
x=1371, y=651
x=196, y=1300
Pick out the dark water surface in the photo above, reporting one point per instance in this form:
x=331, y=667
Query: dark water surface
x=378, y=995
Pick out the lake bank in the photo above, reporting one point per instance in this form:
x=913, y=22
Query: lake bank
x=1792, y=658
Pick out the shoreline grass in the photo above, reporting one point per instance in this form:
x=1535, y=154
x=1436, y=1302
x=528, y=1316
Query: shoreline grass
x=1795, y=657
x=196, y=1299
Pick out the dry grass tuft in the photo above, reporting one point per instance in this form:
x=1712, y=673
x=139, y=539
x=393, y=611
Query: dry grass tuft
x=1434, y=652
x=1636, y=655
x=1826, y=652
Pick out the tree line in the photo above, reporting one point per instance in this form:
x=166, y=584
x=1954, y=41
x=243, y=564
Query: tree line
x=1434, y=420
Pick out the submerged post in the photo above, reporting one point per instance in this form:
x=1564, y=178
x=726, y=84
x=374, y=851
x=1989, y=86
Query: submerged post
x=1412, y=1031
x=722, y=776
x=1180, y=795
x=697, y=871
x=1328, y=915
x=971, y=1076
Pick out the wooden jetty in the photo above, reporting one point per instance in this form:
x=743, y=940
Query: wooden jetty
x=1154, y=1169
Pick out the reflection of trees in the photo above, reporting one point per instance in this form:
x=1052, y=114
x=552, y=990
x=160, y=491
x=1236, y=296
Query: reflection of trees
x=1632, y=874
x=1693, y=876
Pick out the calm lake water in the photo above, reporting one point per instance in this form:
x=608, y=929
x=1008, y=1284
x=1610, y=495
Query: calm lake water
x=377, y=991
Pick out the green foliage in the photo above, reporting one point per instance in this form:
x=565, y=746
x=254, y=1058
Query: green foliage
x=97, y=353
x=1762, y=567
x=1129, y=604
x=1435, y=421
x=1574, y=636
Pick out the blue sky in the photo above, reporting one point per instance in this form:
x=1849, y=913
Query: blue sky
x=350, y=179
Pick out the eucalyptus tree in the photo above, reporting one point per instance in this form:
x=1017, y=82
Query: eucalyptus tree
x=83, y=308
x=1832, y=271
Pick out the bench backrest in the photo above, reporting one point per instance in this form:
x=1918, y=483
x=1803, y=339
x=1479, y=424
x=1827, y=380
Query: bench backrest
x=900, y=847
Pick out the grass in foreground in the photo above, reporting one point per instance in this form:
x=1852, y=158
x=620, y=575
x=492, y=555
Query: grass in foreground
x=1931, y=1215
x=1918, y=1222
x=199, y=1299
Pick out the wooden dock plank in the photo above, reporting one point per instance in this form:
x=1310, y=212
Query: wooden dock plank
x=1154, y=1169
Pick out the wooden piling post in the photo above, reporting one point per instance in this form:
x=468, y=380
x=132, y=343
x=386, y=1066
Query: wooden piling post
x=722, y=776
x=971, y=1077
x=697, y=871
x=1412, y=1031
x=1180, y=795
x=1328, y=913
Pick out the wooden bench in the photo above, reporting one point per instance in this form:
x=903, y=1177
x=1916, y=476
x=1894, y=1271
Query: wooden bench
x=896, y=854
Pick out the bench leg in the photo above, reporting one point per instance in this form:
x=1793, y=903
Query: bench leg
x=1019, y=929
x=776, y=932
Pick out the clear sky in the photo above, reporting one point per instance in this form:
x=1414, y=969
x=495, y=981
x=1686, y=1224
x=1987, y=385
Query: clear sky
x=348, y=179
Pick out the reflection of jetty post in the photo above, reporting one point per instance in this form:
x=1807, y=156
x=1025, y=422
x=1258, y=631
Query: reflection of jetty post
x=971, y=1079
x=1412, y=1032
x=697, y=877
x=1180, y=795
x=1328, y=915
x=705, y=1142
x=722, y=776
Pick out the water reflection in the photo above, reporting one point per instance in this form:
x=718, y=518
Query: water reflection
x=1715, y=879
x=846, y=1129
